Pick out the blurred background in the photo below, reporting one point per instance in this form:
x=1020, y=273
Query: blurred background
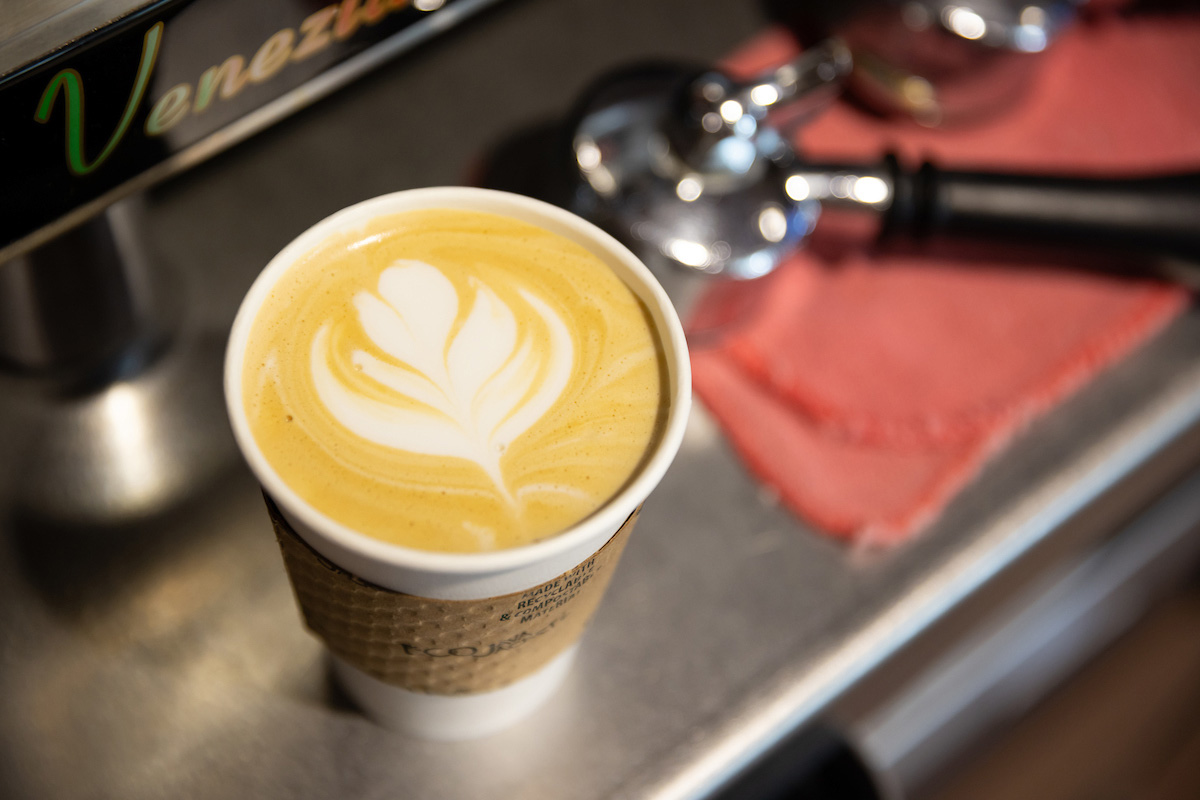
x=935, y=527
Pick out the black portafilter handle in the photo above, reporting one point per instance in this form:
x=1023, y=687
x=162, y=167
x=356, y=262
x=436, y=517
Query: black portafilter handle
x=1158, y=215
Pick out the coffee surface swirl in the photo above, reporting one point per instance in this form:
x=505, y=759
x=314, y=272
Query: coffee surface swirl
x=453, y=380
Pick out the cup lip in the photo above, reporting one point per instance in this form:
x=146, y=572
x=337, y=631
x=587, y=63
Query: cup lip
x=604, y=521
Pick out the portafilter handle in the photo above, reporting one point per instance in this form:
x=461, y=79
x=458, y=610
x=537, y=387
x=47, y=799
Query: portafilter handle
x=1147, y=214
x=1159, y=214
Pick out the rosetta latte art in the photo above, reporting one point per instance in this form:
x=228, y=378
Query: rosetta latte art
x=476, y=388
x=452, y=380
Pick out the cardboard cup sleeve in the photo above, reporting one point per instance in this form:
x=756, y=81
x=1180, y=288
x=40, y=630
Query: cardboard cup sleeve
x=444, y=647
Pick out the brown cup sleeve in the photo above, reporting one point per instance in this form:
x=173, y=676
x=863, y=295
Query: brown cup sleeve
x=444, y=647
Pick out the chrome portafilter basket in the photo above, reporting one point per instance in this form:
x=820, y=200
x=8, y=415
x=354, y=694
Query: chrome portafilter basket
x=938, y=62
x=687, y=168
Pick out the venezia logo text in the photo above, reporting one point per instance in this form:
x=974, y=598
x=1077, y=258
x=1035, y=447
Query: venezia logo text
x=316, y=32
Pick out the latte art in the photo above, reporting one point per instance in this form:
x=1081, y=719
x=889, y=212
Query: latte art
x=453, y=380
x=477, y=387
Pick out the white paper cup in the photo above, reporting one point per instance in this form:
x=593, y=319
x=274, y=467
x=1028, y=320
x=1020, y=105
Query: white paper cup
x=456, y=576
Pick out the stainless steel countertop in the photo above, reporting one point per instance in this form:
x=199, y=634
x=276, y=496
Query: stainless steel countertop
x=165, y=658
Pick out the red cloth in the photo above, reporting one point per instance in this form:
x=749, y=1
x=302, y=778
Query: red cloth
x=867, y=387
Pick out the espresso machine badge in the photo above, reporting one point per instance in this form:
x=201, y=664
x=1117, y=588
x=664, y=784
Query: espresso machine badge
x=163, y=87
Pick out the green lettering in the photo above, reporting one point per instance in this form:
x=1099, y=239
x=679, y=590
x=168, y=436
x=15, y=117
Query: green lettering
x=72, y=86
x=230, y=77
x=170, y=109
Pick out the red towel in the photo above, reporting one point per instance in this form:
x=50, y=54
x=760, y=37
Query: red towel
x=866, y=387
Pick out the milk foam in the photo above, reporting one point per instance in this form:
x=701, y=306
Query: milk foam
x=453, y=380
x=479, y=387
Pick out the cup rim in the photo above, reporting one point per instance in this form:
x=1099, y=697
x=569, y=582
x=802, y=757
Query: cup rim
x=606, y=519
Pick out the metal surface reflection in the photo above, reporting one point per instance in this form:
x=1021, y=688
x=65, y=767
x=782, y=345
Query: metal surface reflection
x=107, y=367
x=130, y=450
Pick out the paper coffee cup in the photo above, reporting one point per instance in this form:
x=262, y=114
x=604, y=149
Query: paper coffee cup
x=454, y=645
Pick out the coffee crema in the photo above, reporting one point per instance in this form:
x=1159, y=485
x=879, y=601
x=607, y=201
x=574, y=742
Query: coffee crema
x=453, y=380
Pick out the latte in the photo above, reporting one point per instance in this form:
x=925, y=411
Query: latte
x=453, y=380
